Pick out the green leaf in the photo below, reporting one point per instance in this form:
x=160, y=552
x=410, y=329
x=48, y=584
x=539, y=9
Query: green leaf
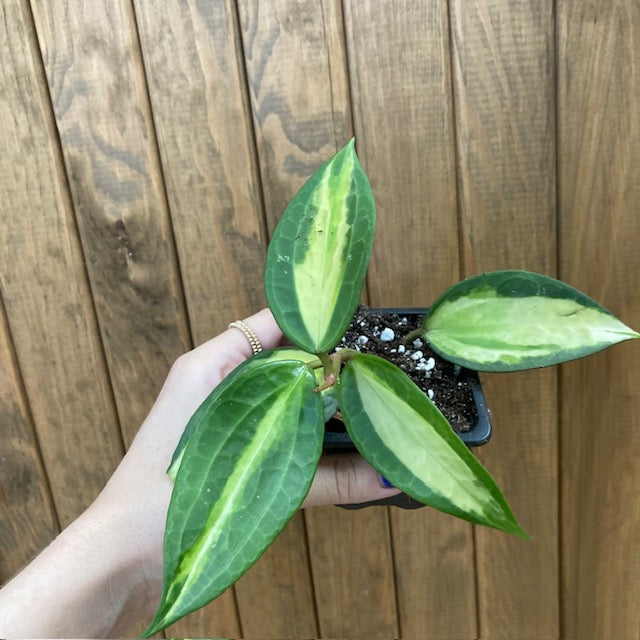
x=319, y=253
x=514, y=320
x=401, y=433
x=200, y=419
x=242, y=478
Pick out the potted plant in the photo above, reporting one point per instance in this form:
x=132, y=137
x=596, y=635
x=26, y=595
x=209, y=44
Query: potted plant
x=249, y=453
x=456, y=391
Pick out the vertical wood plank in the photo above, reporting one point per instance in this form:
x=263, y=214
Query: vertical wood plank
x=503, y=56
x=435, y=575
x=401, y=88
x=353, y=572
x=43, y=284
x=275, y=597
x=195, y=70
x=27, y=518
x=599, y=154
x=300, y=115
x=194, y=66
x=296, y=72
x=99, y=95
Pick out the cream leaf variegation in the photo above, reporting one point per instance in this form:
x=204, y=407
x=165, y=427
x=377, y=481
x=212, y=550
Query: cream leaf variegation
x=515, y=320
x=201, y=418
x=244, y=472
x=318, y=274
x=399, y=431
x=319, y=253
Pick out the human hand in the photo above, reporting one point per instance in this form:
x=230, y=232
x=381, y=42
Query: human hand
x=104, y=572
x=140, y=486
x=344, y=478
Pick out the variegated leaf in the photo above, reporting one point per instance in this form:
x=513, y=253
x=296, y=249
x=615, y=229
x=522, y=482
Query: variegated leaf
x=319, y=253
x=514, y=320
x=242, y=478
x=200, y=419
x=402, y=434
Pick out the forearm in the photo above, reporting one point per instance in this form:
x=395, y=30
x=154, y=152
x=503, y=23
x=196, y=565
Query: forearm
x=103, y=574
x=89, y=582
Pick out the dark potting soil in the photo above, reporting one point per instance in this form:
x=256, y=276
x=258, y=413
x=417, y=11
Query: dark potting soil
x=382, y=334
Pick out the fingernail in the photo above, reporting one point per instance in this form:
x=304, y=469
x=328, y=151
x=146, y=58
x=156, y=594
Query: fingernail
x=385, y=483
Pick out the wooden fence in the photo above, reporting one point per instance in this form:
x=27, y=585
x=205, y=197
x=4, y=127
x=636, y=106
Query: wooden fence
x=147, y=150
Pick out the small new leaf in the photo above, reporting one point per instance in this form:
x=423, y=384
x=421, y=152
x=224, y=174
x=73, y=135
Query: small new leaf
x=515, y=320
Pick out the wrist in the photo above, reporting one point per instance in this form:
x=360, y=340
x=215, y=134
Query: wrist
x=91, y=581
x=121, y=581
x=131, y=526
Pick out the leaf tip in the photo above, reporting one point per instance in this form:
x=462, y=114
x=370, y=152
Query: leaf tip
x=506, y=524
x=518, y=531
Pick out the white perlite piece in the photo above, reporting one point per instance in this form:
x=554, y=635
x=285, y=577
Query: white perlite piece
x=363, y=339
x=401, y=348
x=416, y=355
x=387, y=335
x=430, y=393
x=417, y=343
x=431, y=363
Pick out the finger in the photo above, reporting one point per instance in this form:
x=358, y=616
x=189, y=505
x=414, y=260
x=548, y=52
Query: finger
x=233, y=346
x=265, y=328
x=195, y=373
x=346, y=478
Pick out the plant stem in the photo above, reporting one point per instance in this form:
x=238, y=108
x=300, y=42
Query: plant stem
x=331, y=365
x=315, y=364
x=329, y=381
x=328, y=364
x=343, y=355
x=412, y=335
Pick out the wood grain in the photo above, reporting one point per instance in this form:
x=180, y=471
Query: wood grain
x=296, y=72
x=503, y=55
x=246, y=101
x=353, y=572
x=296, y=76
x=195, y=70
x=44, y=287
x=276, y=579
x=435, y=575
x=97, y=84
x=599, y=152
x=403, y=118
x=27, y=518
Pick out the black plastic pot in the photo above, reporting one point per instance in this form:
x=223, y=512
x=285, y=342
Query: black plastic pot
x=337, y=442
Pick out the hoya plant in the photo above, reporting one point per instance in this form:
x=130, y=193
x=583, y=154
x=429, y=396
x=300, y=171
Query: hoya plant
x=249, y=454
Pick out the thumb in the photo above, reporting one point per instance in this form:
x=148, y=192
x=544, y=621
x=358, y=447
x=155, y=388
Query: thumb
x=346, y=478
